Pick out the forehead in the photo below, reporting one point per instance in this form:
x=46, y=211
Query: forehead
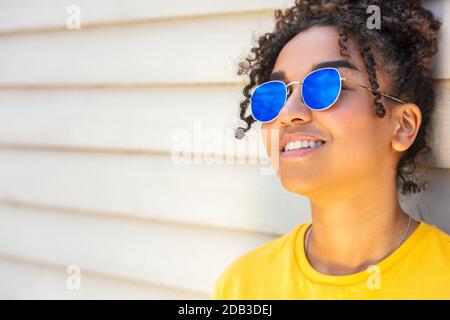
x=311, y=47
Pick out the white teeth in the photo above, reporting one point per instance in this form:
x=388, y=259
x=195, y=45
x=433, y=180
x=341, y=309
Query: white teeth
x=293, y=145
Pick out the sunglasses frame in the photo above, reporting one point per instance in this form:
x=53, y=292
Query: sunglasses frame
x=301, y=91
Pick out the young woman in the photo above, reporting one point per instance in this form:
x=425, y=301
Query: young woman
x=350, y=106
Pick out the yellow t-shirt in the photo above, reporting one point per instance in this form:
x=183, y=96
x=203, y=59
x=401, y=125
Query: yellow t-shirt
x=279, y=269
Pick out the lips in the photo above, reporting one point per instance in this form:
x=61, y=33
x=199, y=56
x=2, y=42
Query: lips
x=285, y=139
x=299, y=153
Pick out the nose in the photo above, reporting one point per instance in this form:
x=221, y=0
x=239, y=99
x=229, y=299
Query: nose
x=294, y=109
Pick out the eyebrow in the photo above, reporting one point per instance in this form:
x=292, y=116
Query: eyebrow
x=280, y=75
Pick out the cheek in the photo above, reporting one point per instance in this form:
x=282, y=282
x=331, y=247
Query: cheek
x=357, y=134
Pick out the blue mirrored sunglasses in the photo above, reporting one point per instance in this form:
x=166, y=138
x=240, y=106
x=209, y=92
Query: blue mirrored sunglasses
x=320, y=90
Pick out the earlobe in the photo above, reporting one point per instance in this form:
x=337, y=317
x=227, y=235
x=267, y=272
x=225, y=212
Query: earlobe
x=407, y=124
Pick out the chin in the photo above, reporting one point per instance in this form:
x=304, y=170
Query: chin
x=295, y=186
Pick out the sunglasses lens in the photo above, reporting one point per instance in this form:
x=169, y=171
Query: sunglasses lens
x=267, y=101
x=321, y=89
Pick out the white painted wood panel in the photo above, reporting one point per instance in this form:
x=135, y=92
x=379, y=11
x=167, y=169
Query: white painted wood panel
x=27, y=280
x=31, y=14
x=439, y=142
x=230, y=196
x=151, y=119
x=179, y=257
x=441, y=9
x=212, y=51
x=203, y=50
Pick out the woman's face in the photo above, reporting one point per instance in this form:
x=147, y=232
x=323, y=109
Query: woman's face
x=358, y=143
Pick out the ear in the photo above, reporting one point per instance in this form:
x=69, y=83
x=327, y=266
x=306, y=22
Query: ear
x=407, y=120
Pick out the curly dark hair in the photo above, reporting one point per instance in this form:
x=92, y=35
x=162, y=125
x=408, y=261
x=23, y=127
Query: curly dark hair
x=406, y=44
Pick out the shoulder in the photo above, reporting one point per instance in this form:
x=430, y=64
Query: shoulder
x=436, y=245
x=438, y=235
x=247, y=266
x=428, y=264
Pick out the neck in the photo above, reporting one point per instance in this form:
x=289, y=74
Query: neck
x=354, y=230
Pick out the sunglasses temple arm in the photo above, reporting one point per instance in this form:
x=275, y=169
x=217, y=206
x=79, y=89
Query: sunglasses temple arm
x=383, y=94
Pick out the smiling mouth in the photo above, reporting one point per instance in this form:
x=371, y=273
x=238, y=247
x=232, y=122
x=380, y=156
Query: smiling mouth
x=293, y=151
x=302, y=145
